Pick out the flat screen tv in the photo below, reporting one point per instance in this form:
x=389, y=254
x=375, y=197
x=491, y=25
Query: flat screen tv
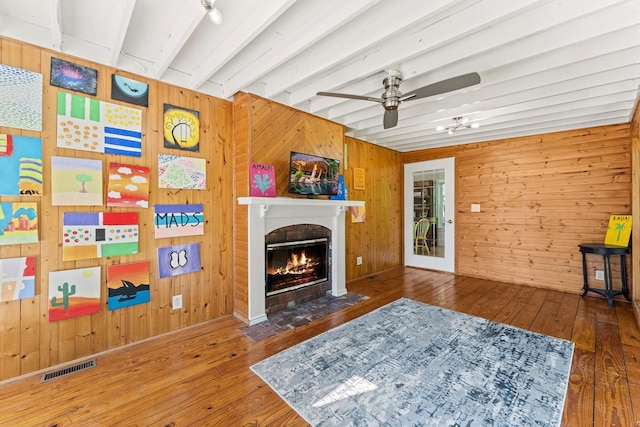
x=312, y=175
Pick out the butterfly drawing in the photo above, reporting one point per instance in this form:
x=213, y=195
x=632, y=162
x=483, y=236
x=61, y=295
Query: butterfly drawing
x=178, y=259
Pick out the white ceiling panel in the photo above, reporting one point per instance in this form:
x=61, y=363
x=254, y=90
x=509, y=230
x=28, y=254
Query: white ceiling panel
x=544, y=65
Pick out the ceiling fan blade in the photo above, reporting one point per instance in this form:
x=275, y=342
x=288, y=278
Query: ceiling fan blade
x=443, y=86
x=390, y=118
x=349, y=96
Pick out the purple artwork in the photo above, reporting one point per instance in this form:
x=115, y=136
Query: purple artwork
x=178, y=259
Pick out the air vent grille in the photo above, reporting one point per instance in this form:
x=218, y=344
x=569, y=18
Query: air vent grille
x=68, y=370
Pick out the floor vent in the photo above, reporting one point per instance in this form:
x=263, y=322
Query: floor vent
x=68, y=370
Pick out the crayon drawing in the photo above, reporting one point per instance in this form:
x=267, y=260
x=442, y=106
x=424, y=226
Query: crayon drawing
x=76, y=181
x=182, y=172
x=178, y=220
x=128, y=284
x=181, y=128
x=21, y=165
x=17, y=278
x=74, y=293
x=128, y=186
x=99, y=234
x=18, y=223
x=20, y=98
x=178, y=259
x=100, y=127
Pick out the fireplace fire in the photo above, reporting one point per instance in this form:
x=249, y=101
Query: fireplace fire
x=294, y=265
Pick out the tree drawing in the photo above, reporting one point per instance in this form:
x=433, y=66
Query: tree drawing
x=619, y=228
x=83, y=177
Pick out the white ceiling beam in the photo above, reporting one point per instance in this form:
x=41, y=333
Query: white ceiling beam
x=536, y=129
x=533, y=54
x=355, y=39
x=490, y=117
x=56, y=26
x=191, y=15
x=336, y=13
x=126, y=11
x=263, y=15
x=398, y=49
x=506, y=124
x=454, y=58
x=512, y=89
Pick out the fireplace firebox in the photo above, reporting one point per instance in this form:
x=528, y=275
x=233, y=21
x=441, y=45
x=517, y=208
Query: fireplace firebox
x=295, y=264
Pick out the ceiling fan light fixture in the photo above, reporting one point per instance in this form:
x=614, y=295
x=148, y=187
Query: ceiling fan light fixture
x=214, y=14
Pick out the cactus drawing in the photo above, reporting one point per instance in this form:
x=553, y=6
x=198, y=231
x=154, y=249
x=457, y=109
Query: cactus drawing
x=66, y=293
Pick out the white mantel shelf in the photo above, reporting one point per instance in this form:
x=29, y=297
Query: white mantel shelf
x=270, y=213
x=291, y=201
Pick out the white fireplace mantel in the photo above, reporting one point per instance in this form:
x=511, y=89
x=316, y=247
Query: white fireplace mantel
x=270, y=213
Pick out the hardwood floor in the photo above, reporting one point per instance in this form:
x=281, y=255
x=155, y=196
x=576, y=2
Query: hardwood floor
x=201, y=376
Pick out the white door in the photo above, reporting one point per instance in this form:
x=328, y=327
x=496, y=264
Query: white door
x=429, y=196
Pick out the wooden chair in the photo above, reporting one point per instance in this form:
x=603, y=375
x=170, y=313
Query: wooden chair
x=420, y=230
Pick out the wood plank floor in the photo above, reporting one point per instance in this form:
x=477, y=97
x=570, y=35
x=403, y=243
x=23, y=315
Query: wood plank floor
x=201, y=376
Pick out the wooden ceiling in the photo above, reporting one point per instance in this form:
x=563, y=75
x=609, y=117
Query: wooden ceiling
x=545, y=65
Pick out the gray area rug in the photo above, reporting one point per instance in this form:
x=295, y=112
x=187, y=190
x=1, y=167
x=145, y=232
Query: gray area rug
x=413, y=364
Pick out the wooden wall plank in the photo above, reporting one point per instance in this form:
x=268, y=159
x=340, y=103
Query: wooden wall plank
x=635, y=237
x=540, y=197
x=28, y=341
x=380, y=248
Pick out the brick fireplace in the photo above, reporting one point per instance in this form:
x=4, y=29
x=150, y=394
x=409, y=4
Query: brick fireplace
x=290, y=214
x=297, y=265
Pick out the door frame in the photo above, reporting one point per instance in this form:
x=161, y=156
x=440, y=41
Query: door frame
x=447, y=263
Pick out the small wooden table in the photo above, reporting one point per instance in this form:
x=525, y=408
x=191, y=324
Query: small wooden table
x=606, y=251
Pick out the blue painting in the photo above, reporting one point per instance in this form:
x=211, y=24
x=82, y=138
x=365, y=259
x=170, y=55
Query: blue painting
x=129, y=90
x=72, y=76
x=21, y=165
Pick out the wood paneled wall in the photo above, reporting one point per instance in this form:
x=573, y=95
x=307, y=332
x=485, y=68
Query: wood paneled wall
x=635, y=236
x=28, y=342
x=378, y=240
x=540, y=197
x=266, y=132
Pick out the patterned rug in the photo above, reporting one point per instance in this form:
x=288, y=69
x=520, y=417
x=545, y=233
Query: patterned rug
x=412, y=364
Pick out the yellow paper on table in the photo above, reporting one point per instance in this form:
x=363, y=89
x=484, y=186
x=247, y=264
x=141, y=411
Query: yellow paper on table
x=619, y=230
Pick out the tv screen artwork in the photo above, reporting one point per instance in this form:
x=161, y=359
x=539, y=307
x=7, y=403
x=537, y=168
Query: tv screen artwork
x=313, y=175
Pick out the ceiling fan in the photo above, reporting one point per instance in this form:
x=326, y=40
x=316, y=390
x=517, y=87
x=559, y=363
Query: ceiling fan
x=392, y=97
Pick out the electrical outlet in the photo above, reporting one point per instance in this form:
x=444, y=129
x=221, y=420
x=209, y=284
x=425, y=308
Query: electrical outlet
x=599, y=275
x=177, y=302
x=475, y=207
x=359, y=260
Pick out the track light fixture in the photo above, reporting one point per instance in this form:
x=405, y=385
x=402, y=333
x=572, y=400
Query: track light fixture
x=460, y=123
x=214, y=14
